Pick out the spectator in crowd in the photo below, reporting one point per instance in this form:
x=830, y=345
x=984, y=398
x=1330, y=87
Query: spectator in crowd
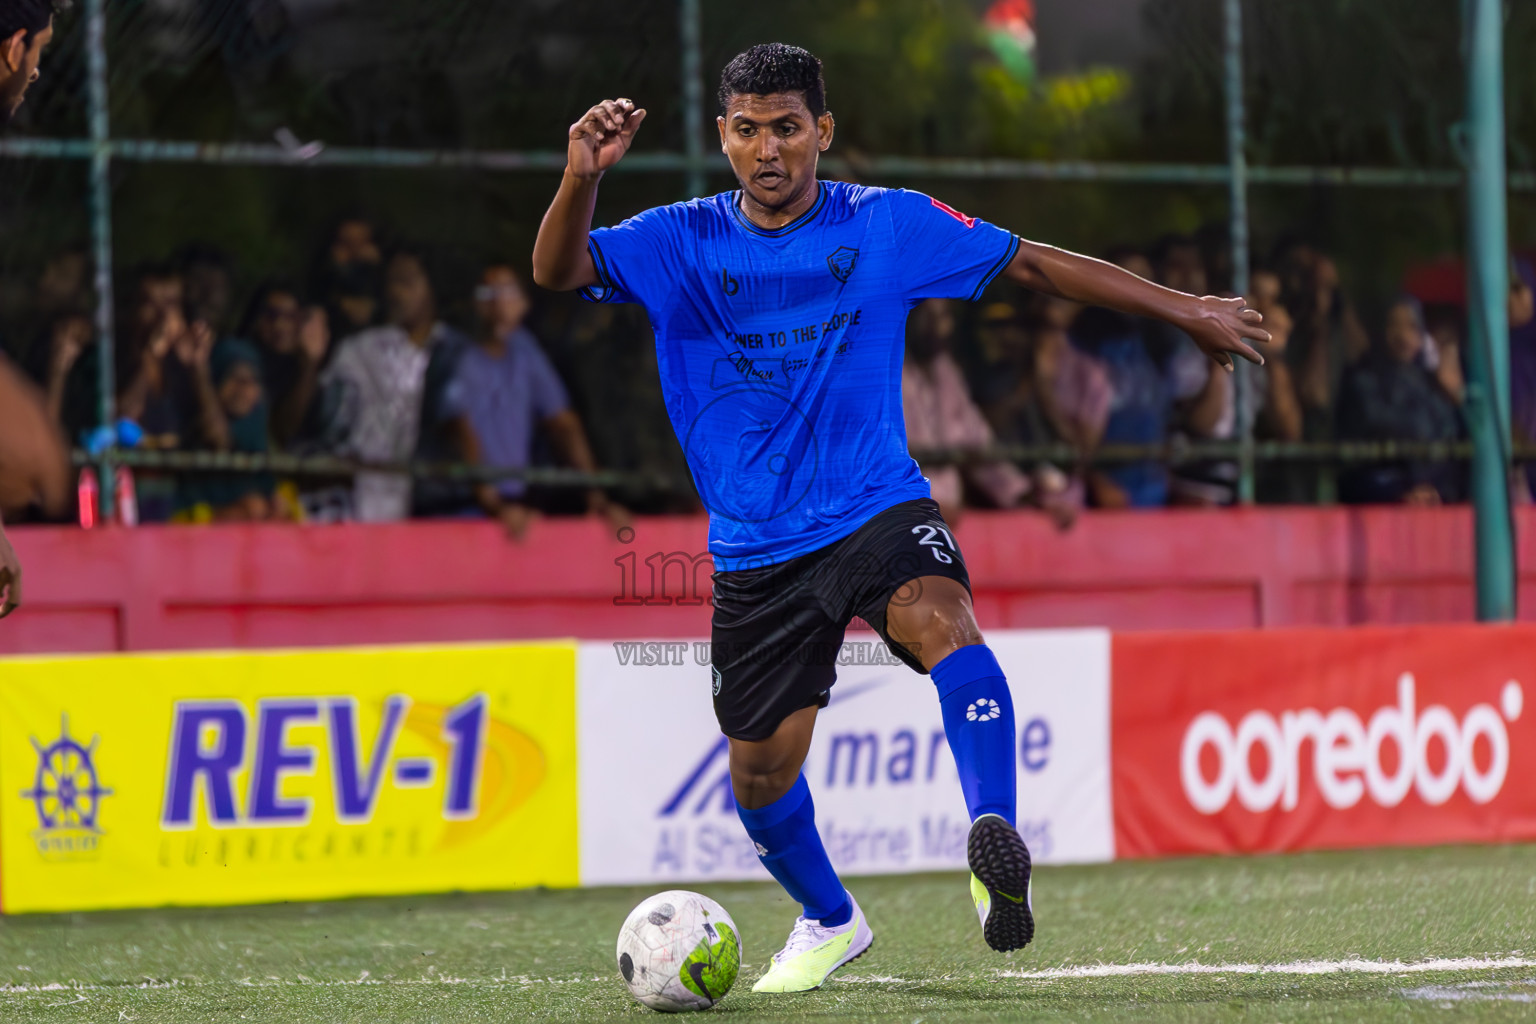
x=235, y=367
x=1391, y=396
x=165, y=381
x=1142, y=402
x=378, y=382
x=605, y=353
x=208, y=278
x=1327, y=337
x=1279, y=414
x=1277, y=406
x=293, y=342
x=349, y=279
x=1204, y=395
x=62, y=356
x=1522, y=358
x=504, y=388
x=65, y=285
x=1443, y=355
x=940, y=415
x=70, y=376
x=1046, y=391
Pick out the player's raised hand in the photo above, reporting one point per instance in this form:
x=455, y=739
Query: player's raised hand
x=602, y=137
x=1223, y=327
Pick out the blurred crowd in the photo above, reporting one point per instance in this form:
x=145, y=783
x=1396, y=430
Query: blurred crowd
x=360, y=358
x=1038, y=370
x=358, y=361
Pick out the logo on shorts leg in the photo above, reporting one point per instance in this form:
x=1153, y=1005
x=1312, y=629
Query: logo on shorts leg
x=984, y=710
x=714, y=670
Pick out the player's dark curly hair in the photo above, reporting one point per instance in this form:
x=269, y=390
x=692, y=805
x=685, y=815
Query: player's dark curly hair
x=31, y=15
x=774, y=67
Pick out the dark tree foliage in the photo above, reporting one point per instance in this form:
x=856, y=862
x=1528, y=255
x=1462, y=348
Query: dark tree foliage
x=1328, y=82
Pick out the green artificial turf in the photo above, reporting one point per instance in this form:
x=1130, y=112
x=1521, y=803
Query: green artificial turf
x=549, y=955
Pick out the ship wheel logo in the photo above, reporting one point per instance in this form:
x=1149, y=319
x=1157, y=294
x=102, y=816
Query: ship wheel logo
x=67, y=791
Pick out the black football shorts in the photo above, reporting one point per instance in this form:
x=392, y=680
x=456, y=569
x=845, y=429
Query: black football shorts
x=777, y=629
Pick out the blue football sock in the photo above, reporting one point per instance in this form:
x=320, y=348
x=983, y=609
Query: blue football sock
x=790, y=848
x=978, y=722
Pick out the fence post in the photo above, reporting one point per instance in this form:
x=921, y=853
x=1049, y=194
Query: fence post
x=1237, y=164
x=693, y=95
x=100, y=200
x=1487, y=406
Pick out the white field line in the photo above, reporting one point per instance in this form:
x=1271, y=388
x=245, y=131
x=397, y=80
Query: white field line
x=1195, y=967
x=1295, y=967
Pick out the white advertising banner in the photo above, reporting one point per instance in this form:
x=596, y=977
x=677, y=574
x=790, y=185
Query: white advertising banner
x=655, y=795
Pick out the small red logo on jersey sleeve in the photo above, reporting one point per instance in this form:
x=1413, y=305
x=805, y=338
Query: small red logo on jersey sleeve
x=969, y=222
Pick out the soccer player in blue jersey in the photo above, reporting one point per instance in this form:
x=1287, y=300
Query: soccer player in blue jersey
x=780, y=310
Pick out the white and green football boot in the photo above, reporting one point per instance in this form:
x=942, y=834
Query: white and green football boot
x=814, y=951
x=1000, y=883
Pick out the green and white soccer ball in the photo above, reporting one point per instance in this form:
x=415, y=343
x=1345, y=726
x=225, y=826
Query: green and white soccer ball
x=679, y=951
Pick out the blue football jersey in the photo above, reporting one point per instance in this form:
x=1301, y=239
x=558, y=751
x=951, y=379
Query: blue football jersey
x=780, y=350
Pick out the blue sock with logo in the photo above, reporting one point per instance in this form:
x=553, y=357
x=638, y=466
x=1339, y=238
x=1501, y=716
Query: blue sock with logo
x=790, y=848
x=978, y=722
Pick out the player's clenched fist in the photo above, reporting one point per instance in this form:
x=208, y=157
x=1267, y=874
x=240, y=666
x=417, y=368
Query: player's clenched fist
x=602, y=137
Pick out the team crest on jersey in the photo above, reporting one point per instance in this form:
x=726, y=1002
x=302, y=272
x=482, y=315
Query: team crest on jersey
x=841, y=262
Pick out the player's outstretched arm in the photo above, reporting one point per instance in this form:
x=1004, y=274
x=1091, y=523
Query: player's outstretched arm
x=1221, y=327
x=595, y=143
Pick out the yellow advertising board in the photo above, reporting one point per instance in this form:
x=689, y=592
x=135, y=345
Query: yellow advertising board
x=195, y=779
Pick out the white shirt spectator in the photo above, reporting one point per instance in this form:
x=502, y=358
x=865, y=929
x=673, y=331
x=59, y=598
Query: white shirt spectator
x=379, y=375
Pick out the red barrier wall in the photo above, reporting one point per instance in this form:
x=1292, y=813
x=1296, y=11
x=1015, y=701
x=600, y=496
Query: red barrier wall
x=272, y=586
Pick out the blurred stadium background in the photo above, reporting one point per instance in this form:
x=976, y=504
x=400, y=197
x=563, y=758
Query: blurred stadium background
x=242, y=186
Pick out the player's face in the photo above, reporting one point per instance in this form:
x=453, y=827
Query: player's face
x=23, y=60
x=773, y=142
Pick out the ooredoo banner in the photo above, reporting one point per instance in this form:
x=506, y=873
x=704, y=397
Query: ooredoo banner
x=141, y=780
x=1301, y=739
x=656, y=802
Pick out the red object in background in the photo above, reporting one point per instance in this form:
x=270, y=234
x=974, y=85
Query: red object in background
x=127, y=498
x=1263, y=742
x=1016, y=17
x=1443, y=282
x=89, y=497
